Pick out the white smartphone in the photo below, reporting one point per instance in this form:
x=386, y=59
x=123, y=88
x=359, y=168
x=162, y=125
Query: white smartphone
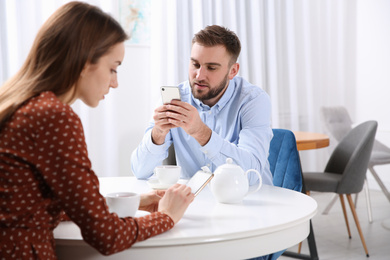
x=168, y=93
x=199, y=181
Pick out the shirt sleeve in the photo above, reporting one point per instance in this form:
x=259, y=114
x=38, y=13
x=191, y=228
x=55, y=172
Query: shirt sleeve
x=62, y=160
x=148, y=155
x=251, y=151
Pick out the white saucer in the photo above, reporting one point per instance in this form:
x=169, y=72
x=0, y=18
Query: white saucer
x=141, y=213
x=156, y=185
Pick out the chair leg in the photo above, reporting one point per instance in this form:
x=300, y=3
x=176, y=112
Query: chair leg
x=357, y=223
x=330, y=205
x=380, y=183
x=345, y=214
x=356, y=199
x=368, y=199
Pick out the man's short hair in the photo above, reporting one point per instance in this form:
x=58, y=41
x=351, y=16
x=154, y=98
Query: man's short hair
x=217, y=35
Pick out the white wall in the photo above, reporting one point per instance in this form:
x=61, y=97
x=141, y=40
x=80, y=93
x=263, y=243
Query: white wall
x=373, y=72
x=136, y=108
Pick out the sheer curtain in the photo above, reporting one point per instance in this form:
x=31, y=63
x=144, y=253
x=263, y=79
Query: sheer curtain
x=301, y=52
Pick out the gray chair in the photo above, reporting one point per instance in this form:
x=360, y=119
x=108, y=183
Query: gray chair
x=346, y=169
x=171, y=159
x=338, y=123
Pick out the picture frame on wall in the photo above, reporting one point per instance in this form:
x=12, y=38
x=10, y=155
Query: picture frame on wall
x=134, y=16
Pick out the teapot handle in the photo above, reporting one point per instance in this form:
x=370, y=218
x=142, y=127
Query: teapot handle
x=260, y=179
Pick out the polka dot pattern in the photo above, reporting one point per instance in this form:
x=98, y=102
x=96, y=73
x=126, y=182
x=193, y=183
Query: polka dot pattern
x=45, y=173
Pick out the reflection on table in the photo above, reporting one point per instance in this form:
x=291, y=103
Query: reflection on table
x=267, y=221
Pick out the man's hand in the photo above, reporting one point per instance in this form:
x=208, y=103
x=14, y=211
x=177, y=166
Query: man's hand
x=161, y=125
x=186, y=116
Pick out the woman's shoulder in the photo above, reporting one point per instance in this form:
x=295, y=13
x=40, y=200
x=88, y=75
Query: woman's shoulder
x=48, y=102
x=47, y=107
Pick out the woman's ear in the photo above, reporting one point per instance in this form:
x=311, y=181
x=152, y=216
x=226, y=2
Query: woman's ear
x=86, y=67
x=82, y=73
x=234, y=70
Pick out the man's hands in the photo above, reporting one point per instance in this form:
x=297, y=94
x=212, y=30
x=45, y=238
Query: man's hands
x=179, y=114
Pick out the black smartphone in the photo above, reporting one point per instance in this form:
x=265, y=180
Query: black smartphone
x=168, y=93
x=199, y=181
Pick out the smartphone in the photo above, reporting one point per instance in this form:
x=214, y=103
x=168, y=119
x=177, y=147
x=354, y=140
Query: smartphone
x=199, y=181
x=168, y=93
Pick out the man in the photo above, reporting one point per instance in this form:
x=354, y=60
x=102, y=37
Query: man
x=220, y=115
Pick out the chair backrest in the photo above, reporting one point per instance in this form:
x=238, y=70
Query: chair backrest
x=351, y=156
x=284, y=160
x=336, y=121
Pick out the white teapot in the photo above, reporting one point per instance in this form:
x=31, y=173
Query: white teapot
x=230, y=183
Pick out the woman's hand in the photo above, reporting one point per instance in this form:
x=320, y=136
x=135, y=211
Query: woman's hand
x=149, y=201
x=175, y=201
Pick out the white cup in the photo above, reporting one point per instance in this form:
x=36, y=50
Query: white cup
x=125, y=204
x=167, y=174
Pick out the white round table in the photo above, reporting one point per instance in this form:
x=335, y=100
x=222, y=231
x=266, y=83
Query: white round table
x=267, y=221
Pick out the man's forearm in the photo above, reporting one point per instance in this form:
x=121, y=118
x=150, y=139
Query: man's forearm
x=158, y=138
x=203, y=136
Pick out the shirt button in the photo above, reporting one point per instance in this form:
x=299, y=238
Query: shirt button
x=208, y=165
x=206, y=152
x=209, y=112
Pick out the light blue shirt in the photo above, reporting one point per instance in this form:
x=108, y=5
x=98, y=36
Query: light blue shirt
x=241, y=130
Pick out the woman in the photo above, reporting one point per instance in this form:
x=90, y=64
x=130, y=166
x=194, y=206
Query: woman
x=45, y=172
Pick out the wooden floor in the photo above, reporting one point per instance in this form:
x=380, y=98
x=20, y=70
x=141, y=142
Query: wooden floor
x=331, y=233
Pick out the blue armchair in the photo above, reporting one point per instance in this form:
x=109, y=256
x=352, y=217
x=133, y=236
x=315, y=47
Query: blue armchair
x=286, y=169
x=284, y=160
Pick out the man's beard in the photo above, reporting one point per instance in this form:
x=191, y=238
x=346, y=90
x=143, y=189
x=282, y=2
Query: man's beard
x=212, y=93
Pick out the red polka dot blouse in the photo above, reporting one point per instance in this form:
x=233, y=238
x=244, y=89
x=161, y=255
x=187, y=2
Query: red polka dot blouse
x=44, y=173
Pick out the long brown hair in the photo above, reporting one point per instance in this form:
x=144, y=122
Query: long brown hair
x=75, y=34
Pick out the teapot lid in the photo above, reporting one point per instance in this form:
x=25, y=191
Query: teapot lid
x=228, y=167
x=229, y=161
x=229, y=164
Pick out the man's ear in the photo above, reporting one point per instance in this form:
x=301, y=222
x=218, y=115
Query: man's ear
x=234, y=70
